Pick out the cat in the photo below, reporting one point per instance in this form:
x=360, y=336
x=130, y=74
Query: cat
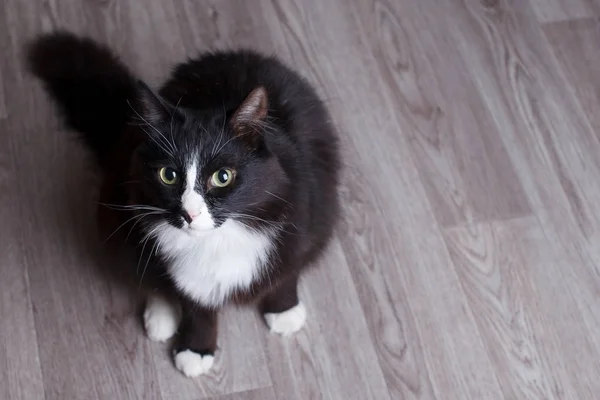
x=226, y=180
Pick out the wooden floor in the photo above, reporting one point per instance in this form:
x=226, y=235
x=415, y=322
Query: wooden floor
x=468, y=263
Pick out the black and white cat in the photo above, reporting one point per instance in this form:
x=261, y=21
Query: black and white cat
x=226, y=180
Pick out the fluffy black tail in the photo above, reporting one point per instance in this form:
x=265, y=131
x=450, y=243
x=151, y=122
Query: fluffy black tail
x=90, y=84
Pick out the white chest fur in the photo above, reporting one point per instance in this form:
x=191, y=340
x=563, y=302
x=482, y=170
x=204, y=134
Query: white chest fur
x=208, y=267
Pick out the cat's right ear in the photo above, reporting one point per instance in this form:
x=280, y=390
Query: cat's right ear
x=149, y=106
x=250, y=115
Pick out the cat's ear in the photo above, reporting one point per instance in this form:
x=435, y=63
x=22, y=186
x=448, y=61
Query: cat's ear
x=250, y=115
x=150, y=107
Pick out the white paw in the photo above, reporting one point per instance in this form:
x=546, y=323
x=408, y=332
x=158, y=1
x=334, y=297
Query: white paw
x=287, y=322
x=192, y=364
x=161, y=318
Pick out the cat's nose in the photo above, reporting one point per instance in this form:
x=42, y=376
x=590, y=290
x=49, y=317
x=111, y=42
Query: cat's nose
x=189, y=215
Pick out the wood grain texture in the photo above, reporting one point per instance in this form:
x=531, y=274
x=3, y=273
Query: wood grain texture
x=528, y=320
x=455, y=145
x=5, y=63
x=257, y=394
x=325, y=363
x=575, y=45
x=240, y=365
x=399, y=272
x=87, y=322
x=560, y=10
x=21, y=374
x=466, y=265
x=558, y=157
x=523, y=84
x=3, y=110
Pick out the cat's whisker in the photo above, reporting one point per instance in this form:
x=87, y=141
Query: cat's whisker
x=262, y=126
x=225, y=144
x=205, y=130
x=129, y=207
x=219, y=139
x=157, y=131
x=276, y=238
x=164, y=140
x=221, y=133
x=144, y=243
x=135, y=209
x=217, y=143
x=171, y=123
x=142, y=118
x=153, y=250
x=137, y=222
x=277, y=225
x=278, y=197
x=149, y=235
x=129, y=220
x=224, y=117
x=159, y=144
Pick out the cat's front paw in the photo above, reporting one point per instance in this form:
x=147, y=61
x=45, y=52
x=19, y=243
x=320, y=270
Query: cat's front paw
x=161, y=318
x=287, y=322
x=192, y=364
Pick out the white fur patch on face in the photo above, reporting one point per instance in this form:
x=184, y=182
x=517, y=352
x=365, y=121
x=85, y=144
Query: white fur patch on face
x=209, y=266
x=193, y=203
x=161, y=318
x=193, y=364
x=287, y=322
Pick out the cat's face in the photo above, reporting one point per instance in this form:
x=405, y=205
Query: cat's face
x=196, y=171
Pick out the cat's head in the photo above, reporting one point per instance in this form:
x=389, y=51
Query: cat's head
x=195, y=170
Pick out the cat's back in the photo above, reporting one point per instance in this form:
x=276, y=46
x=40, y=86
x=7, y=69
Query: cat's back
x=220, y=81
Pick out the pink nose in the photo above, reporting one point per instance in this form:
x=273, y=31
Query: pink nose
x=189, y=216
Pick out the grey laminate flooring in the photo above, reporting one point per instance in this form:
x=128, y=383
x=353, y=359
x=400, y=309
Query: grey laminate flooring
x=468, y=263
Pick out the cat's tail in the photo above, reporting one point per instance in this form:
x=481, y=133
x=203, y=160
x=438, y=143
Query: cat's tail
x=91, y=86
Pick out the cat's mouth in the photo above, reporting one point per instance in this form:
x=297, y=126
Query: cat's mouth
x=197, y=223
x=196, y=230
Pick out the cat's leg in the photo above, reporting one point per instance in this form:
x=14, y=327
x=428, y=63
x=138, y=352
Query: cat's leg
x=197, y=341
x=161, y=316
x=283, y=311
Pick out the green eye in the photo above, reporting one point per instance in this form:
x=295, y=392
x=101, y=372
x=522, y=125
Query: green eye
x=168, y=175
x=222, y=177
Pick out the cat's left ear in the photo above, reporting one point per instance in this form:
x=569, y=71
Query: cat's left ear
x=150, y=106
x=251, y=114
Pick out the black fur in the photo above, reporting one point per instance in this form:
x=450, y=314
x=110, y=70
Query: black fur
x=90, y=85
x=286, y=164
